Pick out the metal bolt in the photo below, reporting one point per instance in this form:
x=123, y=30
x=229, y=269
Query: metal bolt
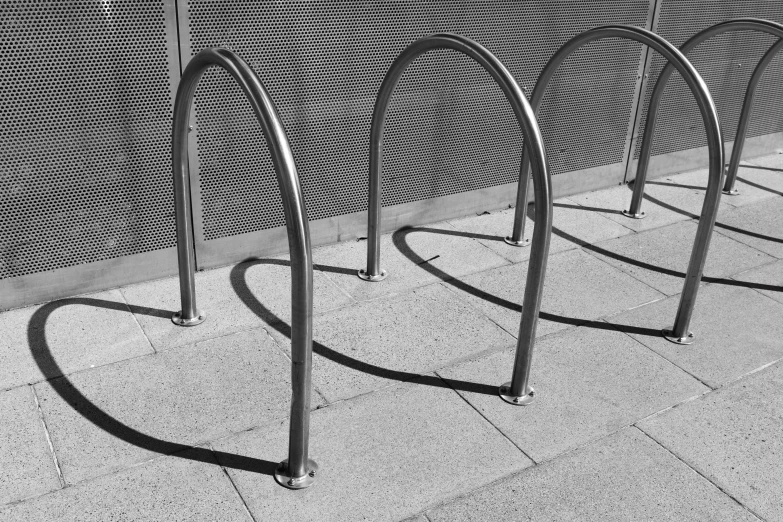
x=312, y=473
x=190, y=128
x=291, y=482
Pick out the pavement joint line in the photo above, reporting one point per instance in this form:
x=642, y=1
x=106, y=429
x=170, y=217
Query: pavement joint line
x=233, y=485
x=517, y=446
x=591, y=252
x=703, y=475
x=136, y=320
x=719, y=230
x=694, y=376
x=285, y=353
x=52, y=453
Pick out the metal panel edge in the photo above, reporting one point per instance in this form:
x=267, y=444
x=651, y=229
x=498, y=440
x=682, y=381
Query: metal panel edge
x=234, y=249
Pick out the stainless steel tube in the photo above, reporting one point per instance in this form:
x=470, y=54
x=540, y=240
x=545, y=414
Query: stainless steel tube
x=744, y=119
x=741, y=24
x=709, y=113
x=298, y=470
x=518, y=391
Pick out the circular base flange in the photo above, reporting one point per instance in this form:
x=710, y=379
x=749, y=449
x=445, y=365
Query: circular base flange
x=282, y=478
x=516, y=400
x=521, y=243
x=732, y=192
x=200, y=318
x=640, y=215
x=373, y=278
x=688, y=339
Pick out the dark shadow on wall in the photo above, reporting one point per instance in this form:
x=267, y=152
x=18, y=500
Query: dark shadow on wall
x=36, y=337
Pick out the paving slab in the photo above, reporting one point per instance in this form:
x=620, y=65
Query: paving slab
x=242, y=297
x=76, y=333
x=611, y=202
x=767, y=279
x=660, y=257
x=578, y=288
x=767, y=179
x=377, y=343
x=589, y=382
x=773, y=162
x=624, y=477
x=759, y=225
x=109, y=418
x=491, y=228
x=413, y=257
x=383, y=457
x=188, y=487
x=26, y=461
x=732, y=436
x=572, y=225
x=737, y=329
x=751, y=183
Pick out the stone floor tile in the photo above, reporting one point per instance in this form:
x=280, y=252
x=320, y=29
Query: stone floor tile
x=154, y=302
x=574, y=222
x=660, y=257
x=738, y=330
x=766, y=178
x=384, y=456
x=413, y=257
x=751, y=183
x=578, y=288
x=732, y=436
x=265, y=288
x=68, y=335
x=589, y=382
x=772, y=162
x=490, y=229
x=242, y=297
x=375, y=343
x=611, y=202
x=767, y=279
x=26, y=461
x=760, y=226
x=109, y=418
x=624, y=477
x=190, y=486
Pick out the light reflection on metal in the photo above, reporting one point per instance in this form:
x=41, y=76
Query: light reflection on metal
x=709, y=114
x=541, y=182
x=298, y=471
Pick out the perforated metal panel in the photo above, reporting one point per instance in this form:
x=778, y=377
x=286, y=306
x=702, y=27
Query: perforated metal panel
x=85, y=108
x=449, y=129
x=726, y=63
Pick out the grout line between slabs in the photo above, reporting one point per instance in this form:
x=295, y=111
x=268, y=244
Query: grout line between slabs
x=136, y=320
x=231, y=481
x=48, y=438
x=698, y=472
x=487, y=419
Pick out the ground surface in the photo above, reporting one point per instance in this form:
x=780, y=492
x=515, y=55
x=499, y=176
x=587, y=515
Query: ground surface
x=111, y=412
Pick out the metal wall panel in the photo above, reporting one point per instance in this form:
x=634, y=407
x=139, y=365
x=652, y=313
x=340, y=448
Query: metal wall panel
x=86, y=96
x=726, y=63
x=449, y=129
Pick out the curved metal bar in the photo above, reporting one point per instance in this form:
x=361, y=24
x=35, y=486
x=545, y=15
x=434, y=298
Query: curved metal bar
x=517, y=391
x=679, y=332
x=744, y=120
x=741, y=24
x=298, y=471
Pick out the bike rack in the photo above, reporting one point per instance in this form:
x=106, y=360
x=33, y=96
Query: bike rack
x=679, y=332
x=741, y=24
x=517, y=391
x=298, y=471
